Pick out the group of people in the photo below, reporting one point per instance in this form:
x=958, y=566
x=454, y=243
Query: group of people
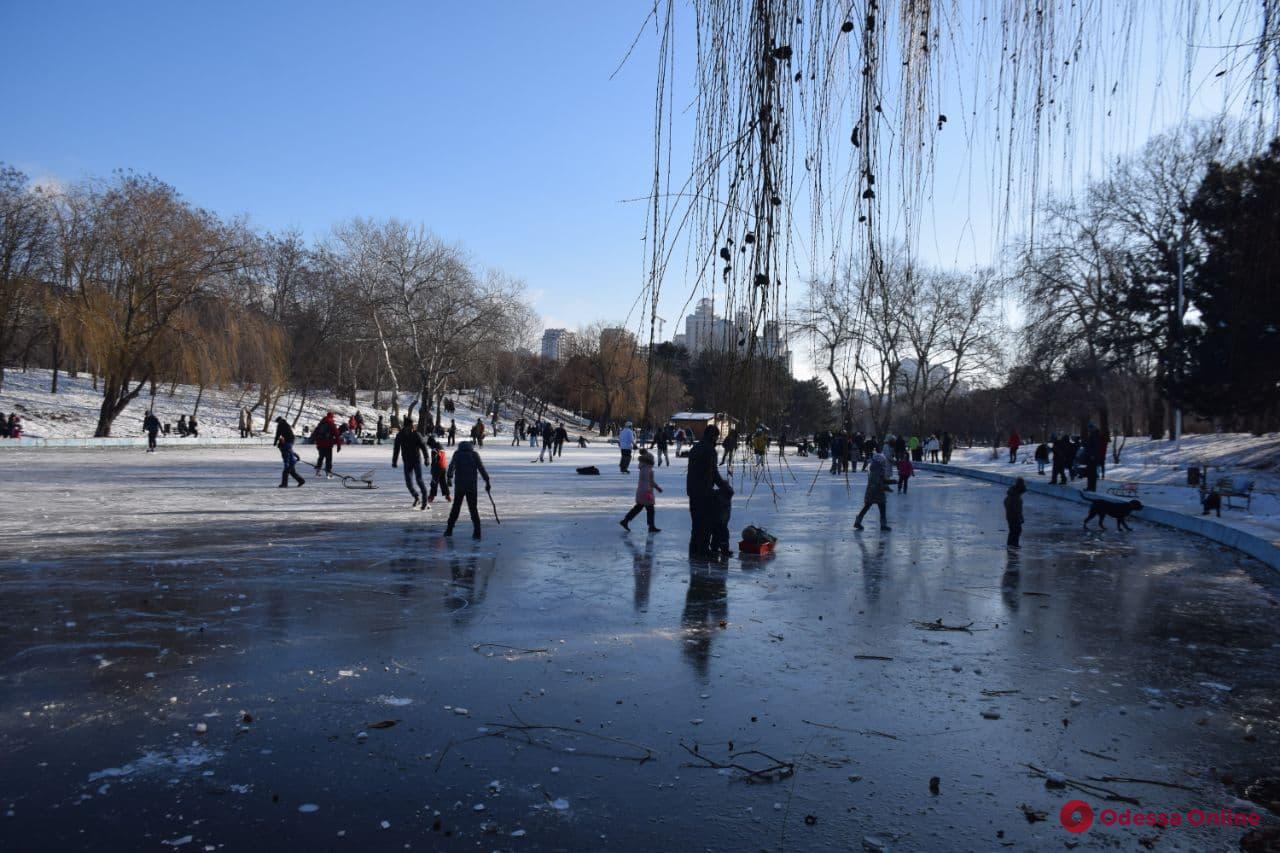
x=462, y=472
x=11, y=426
x=1069, y=457
x=848, y=449
x=553, y=438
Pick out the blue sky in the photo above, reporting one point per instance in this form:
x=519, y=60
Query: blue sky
x=494, y=123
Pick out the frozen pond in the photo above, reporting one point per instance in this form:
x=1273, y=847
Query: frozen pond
x=192, y=658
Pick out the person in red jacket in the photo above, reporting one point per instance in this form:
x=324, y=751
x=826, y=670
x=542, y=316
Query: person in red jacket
x=326, y=438
x=1015, y=441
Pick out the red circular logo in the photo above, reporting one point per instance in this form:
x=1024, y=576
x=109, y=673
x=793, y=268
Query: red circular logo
x=1076, y=816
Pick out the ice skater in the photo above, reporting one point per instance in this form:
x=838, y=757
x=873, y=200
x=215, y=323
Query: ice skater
x=723, y=511
x=463, y=470
x=326, y=438
x=905, y=471
x=284, y=441
x=645, y=487
x=662, y=439
x=1013, y=511
x=151, y=425
x=439, y=472
x=548, y=443
x=410, y=449
x=626, y=442
x=877, y=478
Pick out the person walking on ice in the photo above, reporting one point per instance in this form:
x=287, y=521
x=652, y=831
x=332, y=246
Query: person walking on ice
x=645, y=487
x=284, y=441
x=877, y=477
x=905, y=472
x=439, y=472
x=410, y=449
x=151, y=426
x=326, y=439
x=1013, y=511
x=463, y=470
x=626, y=443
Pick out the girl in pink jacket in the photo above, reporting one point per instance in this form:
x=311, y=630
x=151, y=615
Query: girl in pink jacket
x=645, y=488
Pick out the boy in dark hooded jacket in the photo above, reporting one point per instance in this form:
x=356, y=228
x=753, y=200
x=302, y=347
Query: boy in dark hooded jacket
x=1013, y=510
x=463, y=469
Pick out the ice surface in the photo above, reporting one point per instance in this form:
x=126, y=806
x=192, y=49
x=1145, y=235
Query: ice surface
x=613, y=643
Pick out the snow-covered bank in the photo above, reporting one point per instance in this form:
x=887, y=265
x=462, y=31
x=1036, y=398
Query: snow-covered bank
x=1158, y=469
x=73, y=411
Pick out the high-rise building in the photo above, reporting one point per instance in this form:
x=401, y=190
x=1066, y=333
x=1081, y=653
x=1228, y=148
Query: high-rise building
x=556, y=344
x=705, y=331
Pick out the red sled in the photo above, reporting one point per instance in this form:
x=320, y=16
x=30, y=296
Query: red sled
x=757, y=548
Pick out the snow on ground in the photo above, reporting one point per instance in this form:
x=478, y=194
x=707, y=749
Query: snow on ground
x=1160, y=470
x=73, y=411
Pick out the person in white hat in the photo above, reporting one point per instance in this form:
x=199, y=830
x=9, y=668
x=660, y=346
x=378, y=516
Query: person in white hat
x=626, y=443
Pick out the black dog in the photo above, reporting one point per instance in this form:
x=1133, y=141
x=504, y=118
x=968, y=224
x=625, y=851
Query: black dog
x=1119, y=511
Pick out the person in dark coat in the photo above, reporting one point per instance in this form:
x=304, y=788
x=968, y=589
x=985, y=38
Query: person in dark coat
x=1063, y=459
x=410, y=448
x=463, y=470
x=877, y=485
x=946, y=448
x=662, y=439
x=561, y=436
x=183, y=431
x=548, y=443
x=701, y=480
x=1096, y=450
x=1013, y=511
x=151, y=426
x=284, y=441
x=453, y=431
x=1042, y=457
x=326, y=438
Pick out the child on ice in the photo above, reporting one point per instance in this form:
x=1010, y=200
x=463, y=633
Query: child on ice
x=905, y=472
x=720, y=524
x=645, y=487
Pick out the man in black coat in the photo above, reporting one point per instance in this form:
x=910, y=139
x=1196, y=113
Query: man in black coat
x=561, y=436
x=463, y=469
x=151, y=426
x=1063, y=456
x=701, y=480
x=410, y=447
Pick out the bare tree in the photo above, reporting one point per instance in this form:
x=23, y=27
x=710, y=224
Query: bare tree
x=24, y=253
x=147, y=257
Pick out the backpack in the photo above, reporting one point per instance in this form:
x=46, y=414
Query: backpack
x=589, y=469
x=758, y=535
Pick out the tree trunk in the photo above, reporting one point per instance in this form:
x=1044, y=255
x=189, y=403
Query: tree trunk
x=116, y=395
x=199, y=397
x=57, y=362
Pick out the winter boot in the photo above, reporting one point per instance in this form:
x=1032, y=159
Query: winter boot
x=298, y=477
x=284, y=479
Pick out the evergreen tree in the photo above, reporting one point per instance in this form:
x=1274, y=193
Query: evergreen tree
x=1234, y=353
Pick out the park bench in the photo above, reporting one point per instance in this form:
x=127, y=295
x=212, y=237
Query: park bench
x=1128, y=491
x=1233, y=487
